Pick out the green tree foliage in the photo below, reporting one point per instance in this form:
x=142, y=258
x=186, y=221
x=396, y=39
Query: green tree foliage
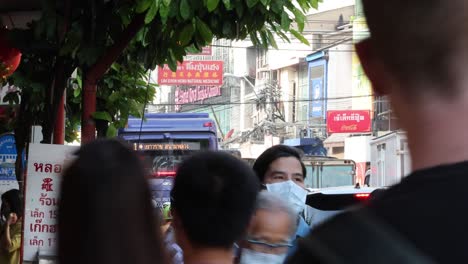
x=123, y=91
x=92, y=35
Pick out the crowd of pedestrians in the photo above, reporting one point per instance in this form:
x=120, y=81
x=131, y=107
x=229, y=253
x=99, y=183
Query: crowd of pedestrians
x=222, y=211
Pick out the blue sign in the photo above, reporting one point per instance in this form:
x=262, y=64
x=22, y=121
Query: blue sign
x=317, y=105
x=8, y=157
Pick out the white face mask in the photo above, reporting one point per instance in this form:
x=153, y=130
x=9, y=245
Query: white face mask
x=290, y=192
x=253, y=257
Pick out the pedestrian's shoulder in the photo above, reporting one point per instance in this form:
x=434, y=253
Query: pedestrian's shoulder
x=355, y=236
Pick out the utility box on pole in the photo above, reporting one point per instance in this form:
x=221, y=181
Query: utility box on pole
x=390, y=159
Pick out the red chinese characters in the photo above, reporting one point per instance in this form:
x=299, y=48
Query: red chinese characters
x=47, y=185
x=192, y=73
x=349, y=121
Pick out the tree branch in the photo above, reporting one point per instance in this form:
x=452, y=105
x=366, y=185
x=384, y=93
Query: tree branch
x=103, y=64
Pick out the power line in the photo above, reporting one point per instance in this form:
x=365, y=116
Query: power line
x=311, y=50
x=253, y=102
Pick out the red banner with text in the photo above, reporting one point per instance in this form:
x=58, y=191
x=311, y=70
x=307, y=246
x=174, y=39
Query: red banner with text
x=349, y=121
x=192, y=73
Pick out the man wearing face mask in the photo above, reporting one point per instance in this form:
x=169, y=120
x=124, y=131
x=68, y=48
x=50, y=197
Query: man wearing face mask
x=282, y=172
x=268, y=237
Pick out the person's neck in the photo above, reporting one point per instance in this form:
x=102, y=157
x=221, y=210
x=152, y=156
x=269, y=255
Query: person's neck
x=209, y=256
x=436, y=136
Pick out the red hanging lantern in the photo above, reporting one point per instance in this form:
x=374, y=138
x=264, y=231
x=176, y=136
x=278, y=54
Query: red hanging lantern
x=10, y=57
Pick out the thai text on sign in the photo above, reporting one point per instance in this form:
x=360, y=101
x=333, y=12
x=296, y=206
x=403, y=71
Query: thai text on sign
x=45, y=166
x=349, y=121
x=192, y=73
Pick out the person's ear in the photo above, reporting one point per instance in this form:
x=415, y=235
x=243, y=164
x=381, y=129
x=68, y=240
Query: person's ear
x=373, y=67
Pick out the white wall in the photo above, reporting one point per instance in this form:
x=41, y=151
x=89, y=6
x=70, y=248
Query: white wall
x=240, y=57
x=288, y=77
x=328, y=5
x=340, y=77
x=358, y=148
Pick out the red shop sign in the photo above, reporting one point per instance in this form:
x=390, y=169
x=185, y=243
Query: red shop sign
x=193, y=73
x=349, y=121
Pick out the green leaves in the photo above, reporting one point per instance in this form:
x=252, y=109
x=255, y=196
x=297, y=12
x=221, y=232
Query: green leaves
x=102, y=116
x=164, y=12
x=300, y=37
x=211, y=5
x=228, y=5
x=285, y=21
x=143, y=5
x=152, y=11
x=251, y=3
x=186, y=34
x=300, y=18
x=204, y=31
x=111, y=131
x=185, y=9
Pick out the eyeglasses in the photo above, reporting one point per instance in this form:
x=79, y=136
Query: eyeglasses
x=265, y=247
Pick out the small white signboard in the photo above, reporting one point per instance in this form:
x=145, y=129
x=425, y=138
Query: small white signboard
x=45, y=166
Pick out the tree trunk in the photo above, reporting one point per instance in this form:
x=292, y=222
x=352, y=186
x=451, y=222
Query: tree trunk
x=95, y=73
x=59, y=126
x=63, y=71
x=88, y=127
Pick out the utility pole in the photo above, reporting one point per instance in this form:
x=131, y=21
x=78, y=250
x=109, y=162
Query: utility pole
x=217, y=122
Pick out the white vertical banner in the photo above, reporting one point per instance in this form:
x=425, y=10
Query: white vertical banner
x=45, y=166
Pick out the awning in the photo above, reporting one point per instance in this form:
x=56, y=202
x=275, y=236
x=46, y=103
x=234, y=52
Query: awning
x=285, y=63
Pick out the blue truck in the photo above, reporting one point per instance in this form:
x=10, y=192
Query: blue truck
x=164, y=140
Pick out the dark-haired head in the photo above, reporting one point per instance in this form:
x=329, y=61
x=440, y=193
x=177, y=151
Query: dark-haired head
x=213, y=199
x=12, y=203
x=105, y=210
x=289, y=155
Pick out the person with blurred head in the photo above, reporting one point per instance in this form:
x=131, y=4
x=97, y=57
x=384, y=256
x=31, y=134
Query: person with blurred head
x=281, y=170
x=213, y=199
x=105, y=212
x=269, y=234
x=10, y=236
x=422, y=70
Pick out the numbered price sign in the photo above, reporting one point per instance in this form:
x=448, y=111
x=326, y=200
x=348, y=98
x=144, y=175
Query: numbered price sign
x=45, y=166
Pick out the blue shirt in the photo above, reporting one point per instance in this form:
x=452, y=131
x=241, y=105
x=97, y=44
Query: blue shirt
x=174, y=251
x=302, y=230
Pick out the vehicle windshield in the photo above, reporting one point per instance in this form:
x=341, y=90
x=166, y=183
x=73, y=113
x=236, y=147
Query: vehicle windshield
x=161, y=158
x=324, y=176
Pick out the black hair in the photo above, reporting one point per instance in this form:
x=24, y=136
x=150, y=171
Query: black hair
x=105, y=210
x=264, y=161
x=214, y=196
x=13, y=198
